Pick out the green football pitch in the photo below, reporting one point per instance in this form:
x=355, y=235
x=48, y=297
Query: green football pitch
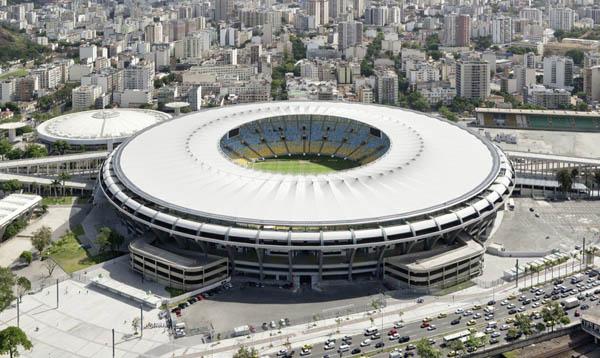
x=303, y=165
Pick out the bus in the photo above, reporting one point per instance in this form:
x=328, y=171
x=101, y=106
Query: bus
x=458, y=335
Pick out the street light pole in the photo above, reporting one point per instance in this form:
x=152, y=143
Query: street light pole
x=141, y=321
x=113, y=343
x=18, y=313
x=57, y=294
x=517, y=271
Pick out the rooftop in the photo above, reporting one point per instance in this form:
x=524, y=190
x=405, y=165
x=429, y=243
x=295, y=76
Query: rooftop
x=550, y=112
x=417, y=175
x=14, y=205
x=99, y=126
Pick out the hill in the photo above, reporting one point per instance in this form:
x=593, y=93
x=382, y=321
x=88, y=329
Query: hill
x=16, y=46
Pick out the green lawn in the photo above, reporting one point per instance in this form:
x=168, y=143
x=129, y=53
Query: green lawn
x=461, y=286
x=14, y=74
x=68, y=254
x=303, y=165
x=58, y=200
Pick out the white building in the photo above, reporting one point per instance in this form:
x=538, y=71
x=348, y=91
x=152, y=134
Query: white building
x=561, y=18
x=558, y=72
x=7, y=91
x=139, y=77
x=88, y=53
x=84, y=97
x=502, y=30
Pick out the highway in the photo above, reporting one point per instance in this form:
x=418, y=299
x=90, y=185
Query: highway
x=444, y=326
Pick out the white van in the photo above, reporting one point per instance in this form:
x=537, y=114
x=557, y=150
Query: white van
x=492, y=324
x=370, y=331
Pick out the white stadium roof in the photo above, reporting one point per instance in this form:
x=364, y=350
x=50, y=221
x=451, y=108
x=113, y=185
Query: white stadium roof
x=98, y=127
x=431, y=164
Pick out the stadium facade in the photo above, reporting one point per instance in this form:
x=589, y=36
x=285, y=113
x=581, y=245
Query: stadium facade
x=413, y=210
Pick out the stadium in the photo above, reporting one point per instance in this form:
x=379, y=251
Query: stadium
x=304, y=192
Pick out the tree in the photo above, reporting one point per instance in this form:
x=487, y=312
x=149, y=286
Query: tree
x=41, y=238
x=565, y=180
x=523, y=323
x=63, y=177
x=457, y=345
x=26, y=256
x=7, y=282
x=426, y=350
x=23, y=286
x=50, y=265
x=244, y=352
x=61, y=146
x=512, y=333
x=135, y=324
x=540, y=327
x=35, y=151
x=14, y=154
x=12, y=185
x=576, y=55
x=5, y=146
x=11, y=338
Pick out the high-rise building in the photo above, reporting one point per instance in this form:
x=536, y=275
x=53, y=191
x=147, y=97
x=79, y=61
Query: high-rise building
x=255, y=53
x=561, y=18
x=349, y=34
x=386, y=86
x=320, y=10
x=472, y=79
x=558, y=72
x=139, y=77
x=533, y=15
x=153, y=33
x=195, y=98
x=84, y=97
x=25, y=88
x=337, y=8
x=196, y=45
x=502, y=30
x=524, y=77
x=88, y=53
x=457, y=30
x=223, y=9
x=529, y=60
x=359, y=8
x=49, y=76
x=7, y=91
x=376, y=15
x=591, y=76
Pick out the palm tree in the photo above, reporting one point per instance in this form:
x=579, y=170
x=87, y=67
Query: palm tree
x=565, y=180
x=55, y=184
x=597, y=180
x=63, y=177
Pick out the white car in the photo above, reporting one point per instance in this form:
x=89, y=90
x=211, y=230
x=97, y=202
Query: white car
x=459, y=311
x=495, y=334
x=477, y=315
x=398, y=324
x=305, y=352
x=366, y=342
x=504, y=303
x=489, y=330
x=431, y=327
x=344, y=347
x=282, y=352
x=504, y=327
x=535, y=305
x=394, y=336
x=329, y=345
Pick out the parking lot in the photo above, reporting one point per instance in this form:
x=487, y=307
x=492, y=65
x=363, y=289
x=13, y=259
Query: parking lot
x=245, y=305
x=557, y=225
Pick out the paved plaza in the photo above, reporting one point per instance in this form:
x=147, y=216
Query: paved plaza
x=559, y=225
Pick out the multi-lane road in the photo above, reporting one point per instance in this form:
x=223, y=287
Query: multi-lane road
x=527, y=302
